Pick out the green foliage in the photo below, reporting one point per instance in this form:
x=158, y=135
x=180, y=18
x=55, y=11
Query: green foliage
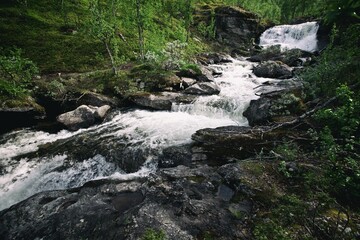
x=151, y=234
x=101, y=26
x=338, y=65
x=208, y=29
x=173, y=55
x=16, y=73
x=342, y=171
x=336, y=74
x=56, y=89
x=269, y=229
x=288, y=151
x=343, y=120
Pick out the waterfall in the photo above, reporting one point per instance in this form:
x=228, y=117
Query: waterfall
x=301, y=36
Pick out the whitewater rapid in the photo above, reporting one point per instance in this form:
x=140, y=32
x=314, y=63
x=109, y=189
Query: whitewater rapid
x=21, y=177
x=34, y=161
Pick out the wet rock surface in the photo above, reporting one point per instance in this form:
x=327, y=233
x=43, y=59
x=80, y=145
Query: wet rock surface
x=279, y=101
x=83, y=116
x=203, y=88
x=291, y=57
x=185, y=198
x=182, y=202
x=273, y=69
x=226, y=144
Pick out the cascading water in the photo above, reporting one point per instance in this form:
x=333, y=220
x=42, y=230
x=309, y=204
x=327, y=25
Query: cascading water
x=34, y=161
x=25, y=169
x=301, y=36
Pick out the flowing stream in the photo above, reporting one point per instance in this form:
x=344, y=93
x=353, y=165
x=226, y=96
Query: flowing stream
x=34, y=161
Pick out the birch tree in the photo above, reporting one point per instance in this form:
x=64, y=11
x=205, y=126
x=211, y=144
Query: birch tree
x=102, y=26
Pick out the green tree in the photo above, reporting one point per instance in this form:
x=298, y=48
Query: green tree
x=102, y=26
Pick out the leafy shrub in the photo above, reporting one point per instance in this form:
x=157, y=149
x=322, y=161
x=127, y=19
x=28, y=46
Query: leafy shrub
x=173, y=54
x=16, y=73
x=151, y=234
x=270, y=229
x=344, y=119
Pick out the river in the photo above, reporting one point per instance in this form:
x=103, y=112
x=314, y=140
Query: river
x=33, y=161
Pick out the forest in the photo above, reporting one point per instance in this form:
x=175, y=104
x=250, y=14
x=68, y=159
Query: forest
x=66, y=48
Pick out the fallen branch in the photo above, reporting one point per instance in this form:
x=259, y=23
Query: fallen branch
x=303, y=116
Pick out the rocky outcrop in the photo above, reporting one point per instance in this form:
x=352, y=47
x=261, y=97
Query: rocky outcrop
x=258, y=111
x=175, y=156
x=226, y=143
x=203, y=74
x=93, y=211
x=236, y=27
x=161, y=101
x=291, y=57
x=279, y=101
x=222, y=145
x=203, y=88
x=83, y=117
x=180, y=202
x=213, y=58
x=206, y=75
x=273, y=69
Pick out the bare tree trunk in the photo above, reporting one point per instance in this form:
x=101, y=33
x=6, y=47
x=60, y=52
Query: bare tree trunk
x=140, y=29
x=113, y=65
x=188, y=20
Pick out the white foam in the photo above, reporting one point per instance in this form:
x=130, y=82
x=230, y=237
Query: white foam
x=302, y=36
x=26, y=141
x=28, y=177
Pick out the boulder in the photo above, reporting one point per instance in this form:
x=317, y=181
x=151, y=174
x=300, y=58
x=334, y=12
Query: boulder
x=291, y=57
x=258, y=111
x=279, y=102
x=175, y=156
x=83, y=117
x=213, y=58
x=206, y=75
x=158, y=102
x=96, y=99
x=230, y=143
x=187, y=73
x=273, y=69
x=101, y=112
x=203, y=88
x=187, y=82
